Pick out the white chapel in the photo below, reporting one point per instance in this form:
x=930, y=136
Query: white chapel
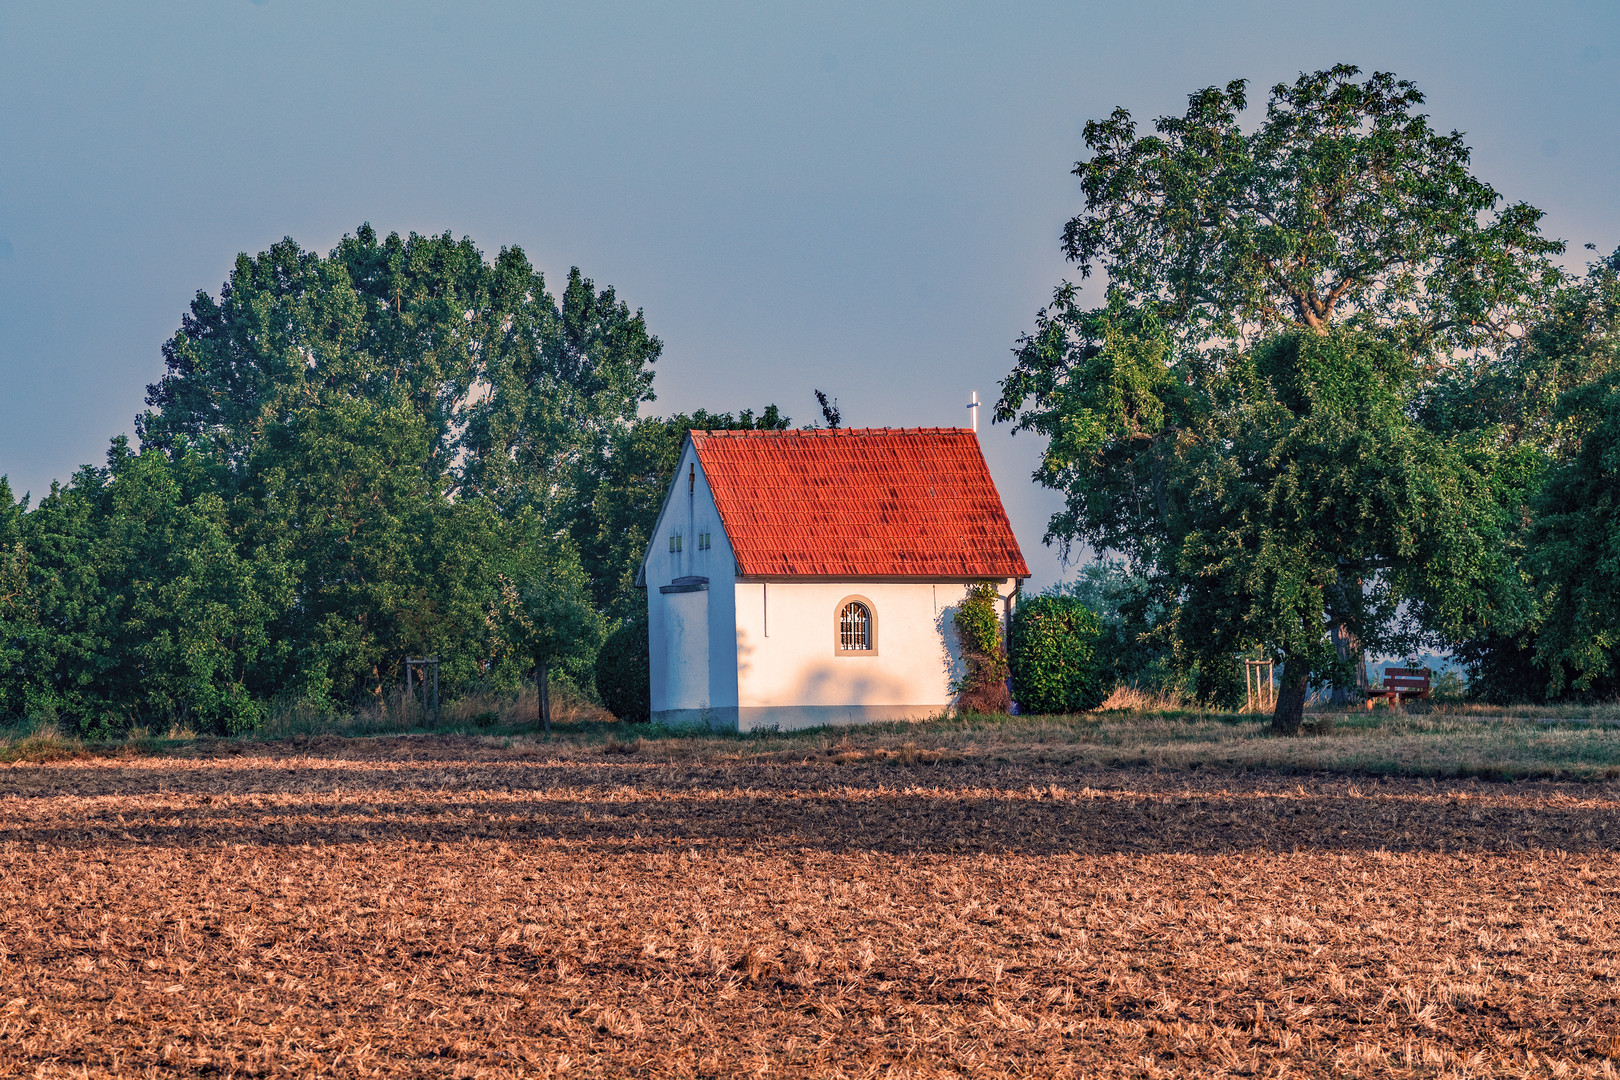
x=802, y=578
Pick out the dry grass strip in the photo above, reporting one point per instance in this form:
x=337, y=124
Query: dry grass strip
x=434, y=908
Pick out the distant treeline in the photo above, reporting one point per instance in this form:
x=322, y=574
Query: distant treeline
x=397, y=449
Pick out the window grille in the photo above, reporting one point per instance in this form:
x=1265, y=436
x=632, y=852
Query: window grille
x=854, y=628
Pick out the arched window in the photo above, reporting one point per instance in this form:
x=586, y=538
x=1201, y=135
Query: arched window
x=857, y=627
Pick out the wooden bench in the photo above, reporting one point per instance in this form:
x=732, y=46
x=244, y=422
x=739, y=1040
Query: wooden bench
x=1401, y=683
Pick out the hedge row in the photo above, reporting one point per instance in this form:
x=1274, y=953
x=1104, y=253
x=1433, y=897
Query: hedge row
x=1054, y=660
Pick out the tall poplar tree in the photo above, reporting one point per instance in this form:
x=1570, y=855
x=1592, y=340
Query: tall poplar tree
x=386, y=414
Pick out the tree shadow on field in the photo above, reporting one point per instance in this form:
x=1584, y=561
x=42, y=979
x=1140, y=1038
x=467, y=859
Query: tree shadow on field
x=635, y=807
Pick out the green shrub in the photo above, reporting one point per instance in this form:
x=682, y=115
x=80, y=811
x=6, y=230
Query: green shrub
x=983, y=688
x=1055, y=666
x=623, y=671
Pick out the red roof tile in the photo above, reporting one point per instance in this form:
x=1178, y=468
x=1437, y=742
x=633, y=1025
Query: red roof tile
x=859, y=502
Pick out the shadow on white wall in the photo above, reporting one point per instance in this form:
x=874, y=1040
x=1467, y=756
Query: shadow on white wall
x=837, y=684
x=950, y=649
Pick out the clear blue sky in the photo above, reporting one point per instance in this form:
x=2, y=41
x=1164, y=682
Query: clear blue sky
x=865, y=198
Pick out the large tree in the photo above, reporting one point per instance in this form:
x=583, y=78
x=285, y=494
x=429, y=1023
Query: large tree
x=389, y=567
x=1242, y=418
x=387, y=414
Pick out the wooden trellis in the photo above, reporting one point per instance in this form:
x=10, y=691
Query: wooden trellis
x=1259, y=689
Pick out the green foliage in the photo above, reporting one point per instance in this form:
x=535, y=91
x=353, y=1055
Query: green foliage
x=197, y=609
x=1546, y=401
x=1284, y=487
x=1133, y=646
x=977, y=623
x=1449, y=687
x=401, y=418
x=20, y=628
x=1502, y=669
x=1519, y=393
x=516, y=395
x=983, y=686
x=1054, y=655
x=623, y=671
x=1313, y=499
x=1576, y=549
x=130, y=598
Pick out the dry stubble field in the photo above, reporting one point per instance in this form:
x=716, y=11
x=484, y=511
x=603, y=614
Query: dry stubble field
x=450, y=907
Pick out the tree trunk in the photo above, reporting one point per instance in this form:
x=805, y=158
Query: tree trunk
x=542, y=680
x=1290, y=709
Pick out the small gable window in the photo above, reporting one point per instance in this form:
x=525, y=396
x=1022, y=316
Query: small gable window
x=857, y=627
x=674, y=542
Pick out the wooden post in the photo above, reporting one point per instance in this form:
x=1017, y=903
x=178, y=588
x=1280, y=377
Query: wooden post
x=435, y=691
x=405, y=702
x=543, y=686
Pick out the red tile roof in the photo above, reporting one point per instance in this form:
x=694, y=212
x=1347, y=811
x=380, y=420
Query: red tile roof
x=859, y=503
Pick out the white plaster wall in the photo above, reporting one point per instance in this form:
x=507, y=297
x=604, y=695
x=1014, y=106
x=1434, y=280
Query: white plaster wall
x=691, y=643
x=787, y=651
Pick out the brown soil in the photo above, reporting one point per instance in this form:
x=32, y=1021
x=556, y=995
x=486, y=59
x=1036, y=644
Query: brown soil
x=442, y=907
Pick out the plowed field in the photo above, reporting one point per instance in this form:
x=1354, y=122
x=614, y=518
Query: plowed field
x=443, y=907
